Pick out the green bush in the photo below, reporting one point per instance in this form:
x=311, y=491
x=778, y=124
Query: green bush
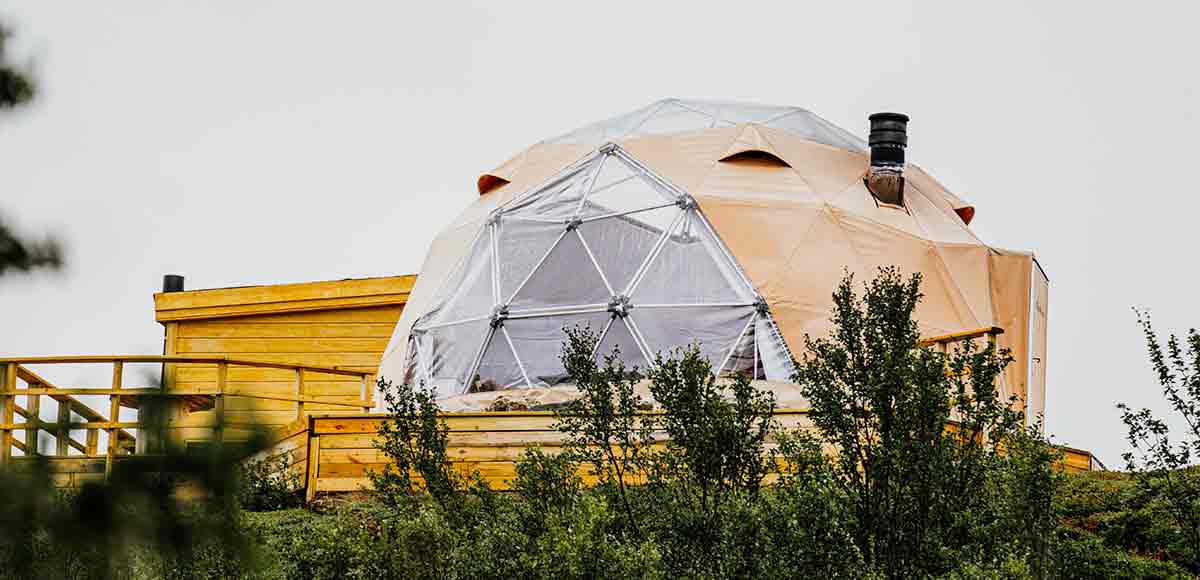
x=269, y=484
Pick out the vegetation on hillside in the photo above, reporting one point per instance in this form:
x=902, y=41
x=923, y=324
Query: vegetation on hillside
x=709, y=487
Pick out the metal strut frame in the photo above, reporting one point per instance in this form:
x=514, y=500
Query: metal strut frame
x=591, y=166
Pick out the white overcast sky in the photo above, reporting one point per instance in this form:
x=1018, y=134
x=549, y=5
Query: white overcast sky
x=243, y=143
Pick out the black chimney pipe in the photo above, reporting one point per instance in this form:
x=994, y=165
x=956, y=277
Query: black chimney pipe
x=885, y=176
x=889, y=137
x=172, y=283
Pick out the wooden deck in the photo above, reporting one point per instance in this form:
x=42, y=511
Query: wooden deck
x=339, y=451
x=196, y=413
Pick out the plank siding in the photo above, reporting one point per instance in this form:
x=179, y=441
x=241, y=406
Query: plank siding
x=489, y=443
x=343, y=324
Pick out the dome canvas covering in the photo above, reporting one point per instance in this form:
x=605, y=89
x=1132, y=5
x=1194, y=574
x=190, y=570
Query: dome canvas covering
x=686, y=222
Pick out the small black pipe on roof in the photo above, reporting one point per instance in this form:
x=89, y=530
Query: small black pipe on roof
x=172, y=283
x=888, y=140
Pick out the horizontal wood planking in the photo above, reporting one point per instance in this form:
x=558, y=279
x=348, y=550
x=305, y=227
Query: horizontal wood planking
x=487, y=442
x=282, y=298
x=492, y=422
x=282, y=293
x=253, y=347
x=290, y=329
x=1075, y=461
x=352, y=338
x=328, y=360
x=236, y=374
x=377, y=314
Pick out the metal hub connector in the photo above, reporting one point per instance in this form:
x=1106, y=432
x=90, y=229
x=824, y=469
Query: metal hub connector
x=499, y=315
x=620, y=306
x=685, y=202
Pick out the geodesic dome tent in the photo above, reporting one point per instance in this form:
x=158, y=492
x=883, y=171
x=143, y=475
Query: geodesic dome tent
x=725, y=225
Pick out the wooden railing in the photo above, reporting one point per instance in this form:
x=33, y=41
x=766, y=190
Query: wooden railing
x=16, y=380
x=943, y=342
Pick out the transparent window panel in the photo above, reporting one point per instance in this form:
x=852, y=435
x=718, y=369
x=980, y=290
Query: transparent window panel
x=561, y=203
x=773, y=354
x=414, y=370
x=559, y=198
x=567, y=277
x=619, y=188
x=714, y=329
x=674, y=118
x=451, y=353
x=469, y=292
x=539, y=342
x=609, y=129
x=521, y=247
x=678, y=116
x=743, y=357
x=621, y=244
x=619, y=341
x=809, y=126
x=498, y=369
x=690, y=268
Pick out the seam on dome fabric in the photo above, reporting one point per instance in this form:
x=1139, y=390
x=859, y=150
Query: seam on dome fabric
x=957, y=222
x=946, y=267
x=657, y=107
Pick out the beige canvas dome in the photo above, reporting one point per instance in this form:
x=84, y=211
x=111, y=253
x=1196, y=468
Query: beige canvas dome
x=687, y=221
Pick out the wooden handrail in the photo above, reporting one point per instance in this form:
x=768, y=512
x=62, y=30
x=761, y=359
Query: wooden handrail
x=989, y=331
x=120, y=440
x=185, y=359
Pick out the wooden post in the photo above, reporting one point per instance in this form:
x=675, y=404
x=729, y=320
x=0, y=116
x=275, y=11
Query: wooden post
x=219, y=403
x=92, y=443
x=114, y=416
x=301, y=391
x=33, y=410
x=314, y=464
x=367, y=393
x=62, y=432
x=8, y=382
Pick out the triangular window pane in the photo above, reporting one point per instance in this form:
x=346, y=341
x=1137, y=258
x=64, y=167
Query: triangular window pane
x=469, y=292
x=674, y=118
x=566, y=278
x=448, y=353
x=620, y=188
x=498, y=369
x=691, y=269
x=773, y=354
x=619, y=341
x=522, y=245
x=558, y=200
x=621, y=244
x=539, y=342
x=742, y=358
x=714, y=329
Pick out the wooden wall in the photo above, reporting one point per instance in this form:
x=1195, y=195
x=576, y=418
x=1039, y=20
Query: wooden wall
x=341, y=450
x=343, y=324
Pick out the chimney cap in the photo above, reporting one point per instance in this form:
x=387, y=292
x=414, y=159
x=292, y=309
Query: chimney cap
x=172, y=283
x=888, y=138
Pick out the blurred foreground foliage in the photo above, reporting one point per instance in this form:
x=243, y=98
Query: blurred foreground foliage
x=17, y=253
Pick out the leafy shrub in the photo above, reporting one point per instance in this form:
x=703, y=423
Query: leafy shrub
x=269, y=484
x=924, y=499
x=1165, y=467
x=602, y=428
x=414, y=439
x=547, y=484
